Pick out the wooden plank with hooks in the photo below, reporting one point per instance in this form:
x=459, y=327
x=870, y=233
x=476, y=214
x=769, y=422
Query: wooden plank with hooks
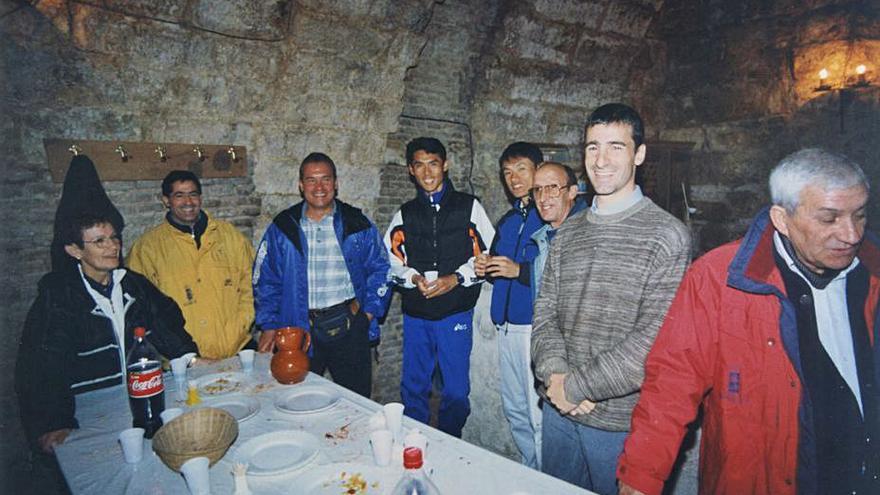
x=129, y=160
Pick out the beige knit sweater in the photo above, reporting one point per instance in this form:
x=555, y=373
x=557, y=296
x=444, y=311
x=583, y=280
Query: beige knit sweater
x=608, y=283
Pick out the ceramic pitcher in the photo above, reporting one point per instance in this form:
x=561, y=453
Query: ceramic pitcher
x=291, y=363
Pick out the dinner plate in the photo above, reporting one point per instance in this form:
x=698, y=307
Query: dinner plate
x=333, y=479
x=220, y=383
x=306, y=399
x=277, y=452
x=241, y=407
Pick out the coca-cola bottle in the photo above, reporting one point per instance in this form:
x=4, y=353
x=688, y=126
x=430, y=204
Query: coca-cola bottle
x=146, y=392
x=414, y=480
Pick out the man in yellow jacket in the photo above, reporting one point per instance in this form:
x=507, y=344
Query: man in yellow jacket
x=204, y=264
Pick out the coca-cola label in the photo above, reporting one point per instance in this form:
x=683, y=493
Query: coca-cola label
x=146, y=383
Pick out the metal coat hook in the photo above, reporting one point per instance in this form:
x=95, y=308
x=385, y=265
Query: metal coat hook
x=122, y=153
x=160, y=150
x=74, y=149
x=231, y=152
x=200, y=153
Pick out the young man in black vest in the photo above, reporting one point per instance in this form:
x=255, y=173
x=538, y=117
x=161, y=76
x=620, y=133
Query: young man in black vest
x=432, y=241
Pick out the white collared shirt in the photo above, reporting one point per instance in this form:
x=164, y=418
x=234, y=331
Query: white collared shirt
x=832, y=320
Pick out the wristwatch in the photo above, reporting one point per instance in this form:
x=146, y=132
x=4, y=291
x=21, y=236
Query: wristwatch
x=460, y=278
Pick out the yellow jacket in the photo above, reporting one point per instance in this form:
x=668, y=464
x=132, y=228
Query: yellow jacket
x=212, y=285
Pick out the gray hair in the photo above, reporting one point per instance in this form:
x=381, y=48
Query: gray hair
x=812, y=167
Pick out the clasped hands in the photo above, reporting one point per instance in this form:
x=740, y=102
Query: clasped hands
x=556, y=394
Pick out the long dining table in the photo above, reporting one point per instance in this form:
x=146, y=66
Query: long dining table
x=338, y=430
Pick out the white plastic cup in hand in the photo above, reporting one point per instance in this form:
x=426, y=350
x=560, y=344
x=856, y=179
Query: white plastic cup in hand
x=178, y=367
x=182, y=389
x=132, y=440
x=247, y=359
x=415, y=438
x=393, y=417
x=431, y=275
x=168, y=414
x=195, y=471
x=381, y=441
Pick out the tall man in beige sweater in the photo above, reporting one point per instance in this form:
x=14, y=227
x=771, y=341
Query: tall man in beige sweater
x=610, y=277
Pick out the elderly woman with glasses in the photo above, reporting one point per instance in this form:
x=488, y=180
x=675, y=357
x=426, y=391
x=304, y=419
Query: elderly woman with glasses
x=78, y=330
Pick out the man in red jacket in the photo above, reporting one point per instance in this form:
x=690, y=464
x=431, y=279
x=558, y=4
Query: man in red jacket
x=774, y=335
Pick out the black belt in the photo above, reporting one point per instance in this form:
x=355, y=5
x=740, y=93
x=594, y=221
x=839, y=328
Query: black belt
x=315, y=313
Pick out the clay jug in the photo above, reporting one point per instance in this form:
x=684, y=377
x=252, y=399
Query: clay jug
x=291, y=363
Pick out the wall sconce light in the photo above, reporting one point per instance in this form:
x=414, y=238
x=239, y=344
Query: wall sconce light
x=861, y=75
x=823, y=80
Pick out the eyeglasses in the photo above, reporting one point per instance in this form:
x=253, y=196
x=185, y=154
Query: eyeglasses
x=105, y=242
x=550, y=190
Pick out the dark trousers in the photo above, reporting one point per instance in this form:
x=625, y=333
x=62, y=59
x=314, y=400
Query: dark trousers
x=347, y=358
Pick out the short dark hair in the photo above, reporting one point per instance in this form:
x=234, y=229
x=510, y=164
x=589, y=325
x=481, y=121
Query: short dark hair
x=571, y=177
x=72, y=231
x=618, y=113
x=179, y=176
x=521, y=149
x=426, y=144
x=317, y=157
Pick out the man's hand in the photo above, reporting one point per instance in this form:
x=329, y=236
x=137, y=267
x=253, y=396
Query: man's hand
x=436, y=288
x=628, y=490
x=481, y=263
x=369, y=316
x=556, y=393
x=585, y=407
x=267, y=341
x=502, y=266
x=49, y=440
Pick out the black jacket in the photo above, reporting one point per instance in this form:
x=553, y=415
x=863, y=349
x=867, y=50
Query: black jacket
x=68, y=346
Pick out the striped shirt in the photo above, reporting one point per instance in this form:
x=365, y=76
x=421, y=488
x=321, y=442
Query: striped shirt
x=329, y=281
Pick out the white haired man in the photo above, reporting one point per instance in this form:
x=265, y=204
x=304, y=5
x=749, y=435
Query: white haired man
x=774, y=335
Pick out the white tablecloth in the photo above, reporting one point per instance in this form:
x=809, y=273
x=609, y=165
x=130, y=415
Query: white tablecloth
x=91, y=458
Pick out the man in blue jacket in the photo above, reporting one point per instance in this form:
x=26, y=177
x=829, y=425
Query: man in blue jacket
x=509, y=269
x=321, y=266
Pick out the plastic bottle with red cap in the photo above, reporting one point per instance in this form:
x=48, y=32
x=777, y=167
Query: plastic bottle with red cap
x=414, y=480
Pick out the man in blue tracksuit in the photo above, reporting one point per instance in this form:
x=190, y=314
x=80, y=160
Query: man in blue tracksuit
x=432, y=242
x=321, y=266
x=509, y=269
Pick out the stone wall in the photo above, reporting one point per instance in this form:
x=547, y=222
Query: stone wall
x=740, y=81
x=281, y=78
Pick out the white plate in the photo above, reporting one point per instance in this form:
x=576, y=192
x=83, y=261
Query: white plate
x=241, y=407
x=221, y=383
x=333, y=479
x=277, y=452
x=306, y=399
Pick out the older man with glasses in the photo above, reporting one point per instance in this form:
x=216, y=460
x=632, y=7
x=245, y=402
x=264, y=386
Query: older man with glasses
x=555, y=194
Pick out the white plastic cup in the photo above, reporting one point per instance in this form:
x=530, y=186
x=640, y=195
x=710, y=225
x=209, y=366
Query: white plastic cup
x=431, y=275
x=168, y=414
x=132, y=440
x=415, y=438
x=195, y=471
x=247, y=359
x=377, y=421
x=182, y=389
x=178, y=367
x=393, y=417
x=381, y=441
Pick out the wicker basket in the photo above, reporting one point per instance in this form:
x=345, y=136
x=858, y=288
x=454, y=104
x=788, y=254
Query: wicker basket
x=203, y=432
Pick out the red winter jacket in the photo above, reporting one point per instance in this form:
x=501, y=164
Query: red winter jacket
x=729, y=342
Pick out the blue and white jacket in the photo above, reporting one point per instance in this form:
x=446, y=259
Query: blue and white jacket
x=281, y=287
x=512, y=299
